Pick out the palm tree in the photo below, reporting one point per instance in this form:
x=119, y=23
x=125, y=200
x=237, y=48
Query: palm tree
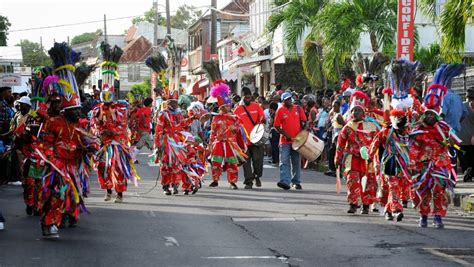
x=298, y=16
x=340, y=26
x=452, y=24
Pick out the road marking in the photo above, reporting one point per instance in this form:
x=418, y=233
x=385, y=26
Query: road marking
x=245, y=257
x=435, y=251
x=149, y=214
x=244, y=219
x=170, y=241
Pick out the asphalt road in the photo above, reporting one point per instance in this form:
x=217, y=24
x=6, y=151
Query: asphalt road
x=222, y=227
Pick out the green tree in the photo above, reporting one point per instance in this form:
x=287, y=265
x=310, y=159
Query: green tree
x=452, y=22
x=85, y=37
x=295, y=18
x=340, y=26
x=33, y=55
x=429, y=57
x=4, y=26
x=185, y=16
x=142, y=89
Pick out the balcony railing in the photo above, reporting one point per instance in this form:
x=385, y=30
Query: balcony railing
x=195, y=59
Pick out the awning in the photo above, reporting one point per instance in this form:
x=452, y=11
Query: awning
x=198, y=87
x=252, y=60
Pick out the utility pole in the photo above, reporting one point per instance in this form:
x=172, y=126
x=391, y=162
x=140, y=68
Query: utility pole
x=168, y=18
x=105, y=28
x=41, y=47
x=213, y=27
x=68, y=41
x=155, y=24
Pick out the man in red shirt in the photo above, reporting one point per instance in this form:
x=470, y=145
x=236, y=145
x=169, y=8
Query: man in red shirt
x=144, y=117
x=288, y=121
x=251, y=114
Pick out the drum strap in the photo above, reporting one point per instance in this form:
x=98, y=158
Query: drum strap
x=248, y=114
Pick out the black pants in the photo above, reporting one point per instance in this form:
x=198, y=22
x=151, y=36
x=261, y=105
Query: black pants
x=331, y=155
x=255, y=160
x=466, y=159
x=274, y=142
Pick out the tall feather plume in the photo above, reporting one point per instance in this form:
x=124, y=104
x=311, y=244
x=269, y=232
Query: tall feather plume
x=82, y=72
x=451, y=71
x=402, y=74
x=156, y=63
x=437, y=79
x=378, y=63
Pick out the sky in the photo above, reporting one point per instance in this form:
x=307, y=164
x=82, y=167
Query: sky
x=25, y=14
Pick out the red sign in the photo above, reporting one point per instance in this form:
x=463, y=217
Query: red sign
x=406, y=29
x=214, y=57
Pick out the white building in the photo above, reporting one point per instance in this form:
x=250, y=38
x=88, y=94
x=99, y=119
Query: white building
x=11, y=59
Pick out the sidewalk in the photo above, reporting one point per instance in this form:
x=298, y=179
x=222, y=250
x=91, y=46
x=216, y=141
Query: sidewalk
x=464, y=195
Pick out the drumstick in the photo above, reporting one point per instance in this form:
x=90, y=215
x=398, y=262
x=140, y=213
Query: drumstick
x=338, y=180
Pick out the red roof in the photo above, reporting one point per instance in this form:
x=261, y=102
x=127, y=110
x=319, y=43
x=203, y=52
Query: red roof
x=137, y=50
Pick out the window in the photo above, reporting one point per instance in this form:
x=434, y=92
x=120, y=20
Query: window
x=6, y=68
x=134, y=72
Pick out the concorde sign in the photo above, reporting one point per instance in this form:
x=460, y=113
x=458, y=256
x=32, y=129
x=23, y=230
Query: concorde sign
x=406, y=29
x=10, y=79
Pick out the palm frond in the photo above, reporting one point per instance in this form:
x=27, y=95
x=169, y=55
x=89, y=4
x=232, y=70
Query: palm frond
x=453, y=23
x=312, y=61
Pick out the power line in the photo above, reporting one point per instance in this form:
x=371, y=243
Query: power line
x=71, y=24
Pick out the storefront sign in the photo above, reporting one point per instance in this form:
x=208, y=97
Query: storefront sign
x=10, y=79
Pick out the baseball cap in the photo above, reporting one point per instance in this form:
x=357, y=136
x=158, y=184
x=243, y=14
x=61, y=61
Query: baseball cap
x=25, y=100
x=285, y=96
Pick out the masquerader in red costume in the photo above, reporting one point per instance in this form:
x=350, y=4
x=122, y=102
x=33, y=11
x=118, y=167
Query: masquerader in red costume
x=429, y=154
x=226, y=142
x=352, y=155
x=171, y=152
x=62, y=144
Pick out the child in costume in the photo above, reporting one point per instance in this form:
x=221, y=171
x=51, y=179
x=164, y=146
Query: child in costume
x=226, y=141
x=429, y=151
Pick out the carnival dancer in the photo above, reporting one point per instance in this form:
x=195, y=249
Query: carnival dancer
x=250, y=115
x=429, y=152
x=110, y=123
x=226, y=141
x=193, y=167
x=352, y=154
x=289, y=122
x=392, y=142
x=61, y=145
x=171, y=153
x=143, y=127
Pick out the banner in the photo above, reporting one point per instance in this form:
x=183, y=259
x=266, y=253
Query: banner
x=10, y=79
x=406, y=29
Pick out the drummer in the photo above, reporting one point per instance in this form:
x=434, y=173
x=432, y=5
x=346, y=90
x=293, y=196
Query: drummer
x=289, y=121
x=250, y=115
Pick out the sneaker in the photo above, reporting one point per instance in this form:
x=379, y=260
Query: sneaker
x=175, y=190
x=166, y=190
x=29, y=210
x=352, y=209
x=375, y=207
x=72, y=222
x=195, y=190
x=405, y=204
x=50, y=231
x=186, y=192
x=108, y=196
x=214, y=184
x=365, y=209
x=330, y=173
x=399, y=216
x=118, y=199
x=248, y=186
x=467, y=175
x=423, y=222
x=438, y=222
x=388, y=216
x=283, y=186
x=297, y=186
x=233, y=186
x=258, y=183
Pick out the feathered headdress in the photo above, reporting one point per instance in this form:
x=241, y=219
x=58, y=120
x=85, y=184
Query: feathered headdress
x=64, y=59
x=111, y=57
x=439, y=88
x=359, y=99
x=156, y=63
x=402, y=74
x=221, y=91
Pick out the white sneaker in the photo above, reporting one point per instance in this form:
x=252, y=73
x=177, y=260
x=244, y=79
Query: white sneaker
x=2, y=226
